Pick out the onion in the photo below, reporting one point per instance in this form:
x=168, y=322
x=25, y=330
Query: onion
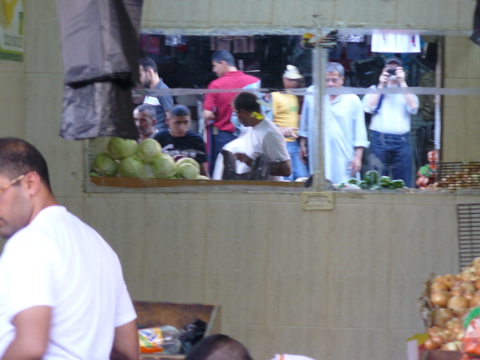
x=440, y=297
x=455, y=325
x=468, y=274
x=441, y=316
x=457, y=302
x=448, y=335
x=456, y=291
x=476, y=270
x=438, y=286
x=449, y=280
x=468, y=294
x=437, y=339
x=461, y=312
x=430, y=344
x=475, y=300
x=451, y=346
x=458, y=329
x=467, y=286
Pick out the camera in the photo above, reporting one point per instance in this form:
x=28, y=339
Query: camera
x=391, y=71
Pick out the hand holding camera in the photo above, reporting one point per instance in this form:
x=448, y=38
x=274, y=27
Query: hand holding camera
x=394, y=74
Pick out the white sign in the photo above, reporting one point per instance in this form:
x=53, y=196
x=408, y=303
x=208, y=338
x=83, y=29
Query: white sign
x=11, y=29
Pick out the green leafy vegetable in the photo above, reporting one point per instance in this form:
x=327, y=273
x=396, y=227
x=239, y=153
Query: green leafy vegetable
x=148, y=150
x=119, y=148
x=187, y=171
x=131, y=167
x=163, y=167
x=104, y=165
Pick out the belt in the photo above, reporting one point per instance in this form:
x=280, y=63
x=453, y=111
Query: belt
x=390, y=136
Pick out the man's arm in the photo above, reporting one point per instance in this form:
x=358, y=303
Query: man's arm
x=303, y=132
x=289, y=132
x=32, y=327
x=283, y=168
x=356, y=164
x=125, y=343
x=410, y=98
x=208, y=115
x=303, y=150
x=204, y=169
x=373, y=99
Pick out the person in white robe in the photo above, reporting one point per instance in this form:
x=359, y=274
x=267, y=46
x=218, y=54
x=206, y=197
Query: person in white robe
x=345, y=133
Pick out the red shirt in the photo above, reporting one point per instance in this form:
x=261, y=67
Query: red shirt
x=221, y=103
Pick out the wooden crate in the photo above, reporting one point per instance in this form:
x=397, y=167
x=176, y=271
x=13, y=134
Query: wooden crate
x=154, y=314
x=441, y=355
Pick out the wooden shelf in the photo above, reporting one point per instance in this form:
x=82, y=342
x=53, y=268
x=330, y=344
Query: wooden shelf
x=156, y=183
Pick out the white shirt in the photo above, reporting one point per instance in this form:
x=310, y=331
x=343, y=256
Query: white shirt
x=344, y=129
x=264, y=138
x=393, y=116
x=59, y=261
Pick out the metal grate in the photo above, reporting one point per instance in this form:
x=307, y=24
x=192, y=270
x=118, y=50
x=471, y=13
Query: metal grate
x=468, y=218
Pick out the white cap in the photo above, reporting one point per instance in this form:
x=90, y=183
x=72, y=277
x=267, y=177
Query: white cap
x=292, y=73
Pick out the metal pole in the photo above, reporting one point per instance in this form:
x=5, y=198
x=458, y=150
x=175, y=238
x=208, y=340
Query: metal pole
x=319, y=65
x=438, y=98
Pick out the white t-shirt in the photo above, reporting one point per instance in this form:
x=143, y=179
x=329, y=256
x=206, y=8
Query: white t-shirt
x=264, y=138
x=59, y=261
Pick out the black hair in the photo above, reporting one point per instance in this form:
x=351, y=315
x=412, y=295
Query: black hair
x=147, y=109
x=180, y=110
x=218, y=347
x=223, y=55
x=247, y=101
x=148, y=63
x=18, y=157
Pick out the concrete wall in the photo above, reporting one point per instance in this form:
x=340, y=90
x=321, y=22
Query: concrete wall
x=12, y=98
x=333, y=284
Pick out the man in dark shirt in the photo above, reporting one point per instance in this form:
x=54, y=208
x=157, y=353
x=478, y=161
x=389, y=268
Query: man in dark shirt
x=179, y=140
x=163, y=102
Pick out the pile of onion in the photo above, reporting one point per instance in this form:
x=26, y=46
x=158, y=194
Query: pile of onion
x=452, y=296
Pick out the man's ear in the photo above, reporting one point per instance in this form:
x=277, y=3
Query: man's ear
x=33, y=182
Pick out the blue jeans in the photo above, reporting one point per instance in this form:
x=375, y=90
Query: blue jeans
x=299, y=169
x=391, y=155
x=216, y=144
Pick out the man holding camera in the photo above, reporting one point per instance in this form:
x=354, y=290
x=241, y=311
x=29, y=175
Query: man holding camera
x=390, y=150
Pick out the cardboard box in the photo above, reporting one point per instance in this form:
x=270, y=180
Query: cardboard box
x=154, y=314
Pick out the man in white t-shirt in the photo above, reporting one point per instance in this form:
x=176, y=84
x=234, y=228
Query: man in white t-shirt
x=261, y=141
x=62, y=292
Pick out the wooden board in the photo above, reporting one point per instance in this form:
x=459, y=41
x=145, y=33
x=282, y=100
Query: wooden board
x=158, y=183
x=441, y=355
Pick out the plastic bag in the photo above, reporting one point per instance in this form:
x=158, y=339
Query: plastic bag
x=471, y=337
x=164, y=339
x=191, y=334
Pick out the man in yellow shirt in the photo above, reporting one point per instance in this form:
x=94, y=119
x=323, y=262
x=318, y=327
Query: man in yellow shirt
x=285, y=113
